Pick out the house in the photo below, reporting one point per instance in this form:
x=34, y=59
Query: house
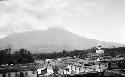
x=46, y=71
x=101, y=67
x=49, y=71
x=116, y=63
x=92, y=56
x=39, y=61
x=42, y=71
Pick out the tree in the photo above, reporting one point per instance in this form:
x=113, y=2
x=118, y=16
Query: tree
x=23, y=56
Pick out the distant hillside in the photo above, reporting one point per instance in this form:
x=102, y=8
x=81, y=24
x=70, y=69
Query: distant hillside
x=52, y=39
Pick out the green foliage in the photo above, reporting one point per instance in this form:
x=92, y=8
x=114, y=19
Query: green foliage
x=23, y=56
x=54, y=55
x=115, y=51
x=81, y=53
x=18, y=57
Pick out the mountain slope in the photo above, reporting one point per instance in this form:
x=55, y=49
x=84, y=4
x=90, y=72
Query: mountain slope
x=53, y=39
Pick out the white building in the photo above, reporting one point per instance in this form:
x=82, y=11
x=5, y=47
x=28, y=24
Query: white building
x=101, y=67
x=99, y=51
x=45, y=71
x=49, y=71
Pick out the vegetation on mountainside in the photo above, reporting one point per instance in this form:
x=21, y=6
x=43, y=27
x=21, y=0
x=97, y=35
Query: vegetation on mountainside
x=24, y=56
x=18, y=57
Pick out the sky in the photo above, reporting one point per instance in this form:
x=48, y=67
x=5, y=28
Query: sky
x=95, y=19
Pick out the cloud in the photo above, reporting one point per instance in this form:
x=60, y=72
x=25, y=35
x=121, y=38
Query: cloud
x=89, y=35
x=21, y=15
x=24, y=15
x=82, y=17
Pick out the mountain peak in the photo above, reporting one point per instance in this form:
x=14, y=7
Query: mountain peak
x=52, y=39
x=56, y=28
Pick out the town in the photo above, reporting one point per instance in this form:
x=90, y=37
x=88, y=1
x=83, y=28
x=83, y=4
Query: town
x=62, y=38
x=95, y=64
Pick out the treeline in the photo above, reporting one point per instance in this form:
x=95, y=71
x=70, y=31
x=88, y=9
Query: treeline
x=115, y=51
x=23, y=56
x=54, y=55
x=81, y=53
x=64, y=53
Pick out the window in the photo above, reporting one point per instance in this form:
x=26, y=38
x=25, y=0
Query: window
x=105, y=65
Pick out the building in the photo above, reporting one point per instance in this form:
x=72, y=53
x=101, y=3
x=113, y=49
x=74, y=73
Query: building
x=116, y=63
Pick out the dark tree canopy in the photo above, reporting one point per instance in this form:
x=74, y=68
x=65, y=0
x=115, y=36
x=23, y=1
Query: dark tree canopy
x=18, y=57
x=23, y=56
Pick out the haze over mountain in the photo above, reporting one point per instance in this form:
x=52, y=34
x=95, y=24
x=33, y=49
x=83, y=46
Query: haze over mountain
x=50, y=40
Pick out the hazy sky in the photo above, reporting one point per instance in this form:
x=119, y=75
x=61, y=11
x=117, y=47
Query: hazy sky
x=97, y=19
